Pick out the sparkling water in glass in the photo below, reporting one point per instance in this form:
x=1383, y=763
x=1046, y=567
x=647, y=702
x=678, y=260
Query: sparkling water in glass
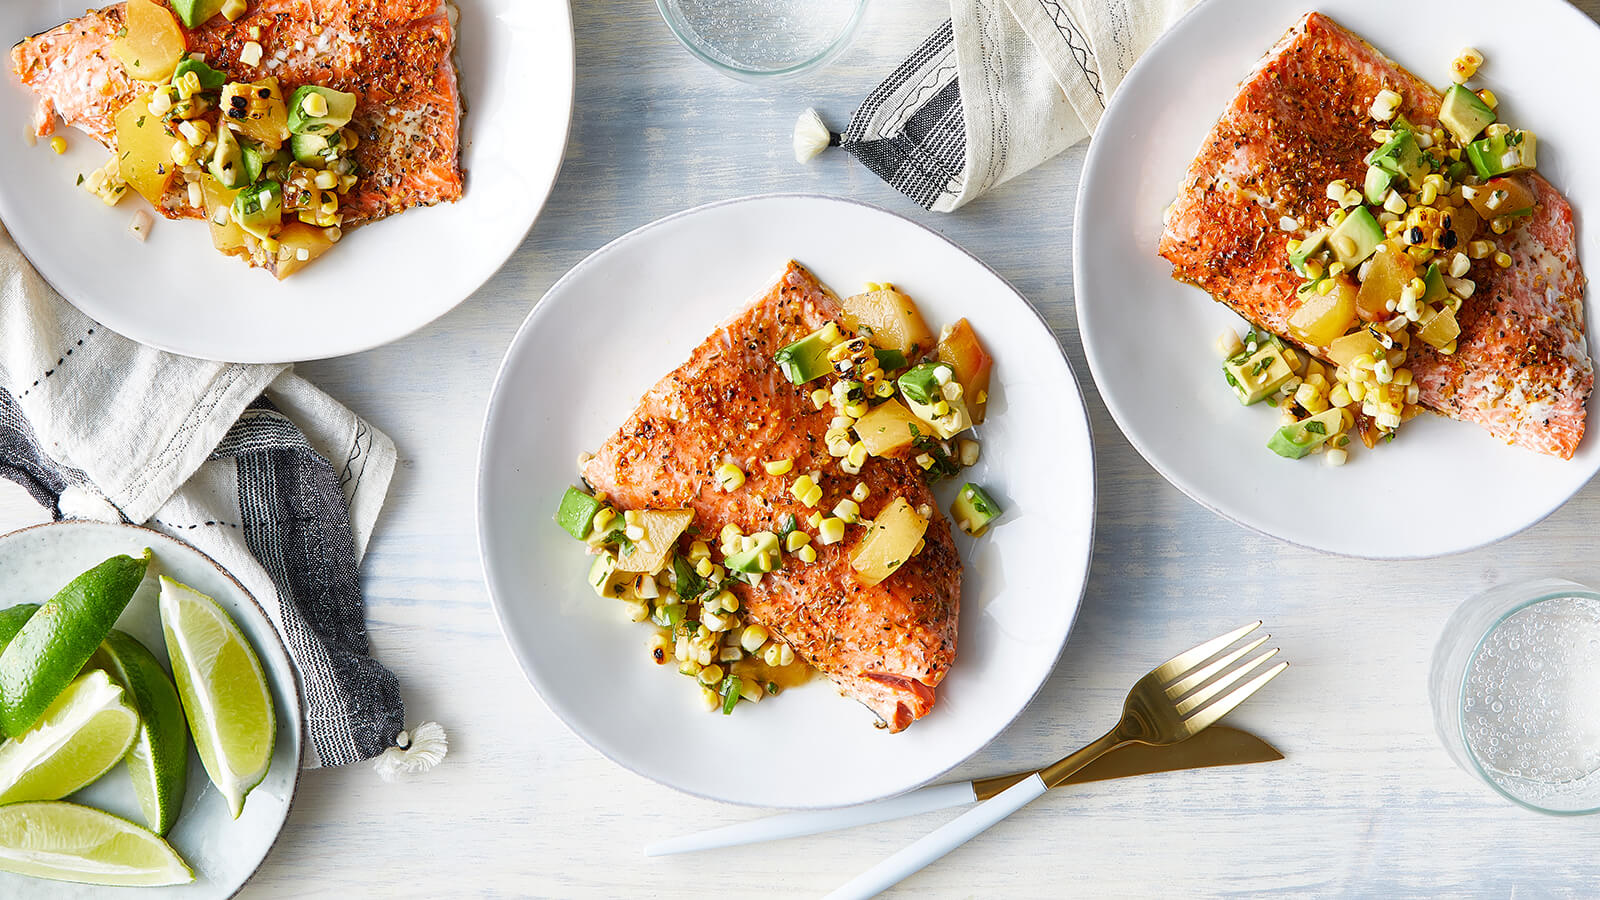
x=755, y=38
x=1516, y=693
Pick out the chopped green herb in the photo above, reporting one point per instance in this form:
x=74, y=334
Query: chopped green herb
x=1316, y=427
x=787, y=525
x=731, y=686
x=80, y=178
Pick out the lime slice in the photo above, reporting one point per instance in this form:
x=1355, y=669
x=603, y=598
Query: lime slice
x=159, y=760
x=224, y=692
x=85, y=732
x=68, y=842
x=51, y=648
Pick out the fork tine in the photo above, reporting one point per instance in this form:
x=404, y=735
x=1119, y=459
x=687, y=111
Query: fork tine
x=1210, y=714
x=1188, y=659
x=1201, y=675
x=1224, y=681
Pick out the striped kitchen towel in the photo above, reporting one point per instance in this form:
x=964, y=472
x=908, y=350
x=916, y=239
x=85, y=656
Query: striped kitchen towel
x=999, y=88
x=273, y=479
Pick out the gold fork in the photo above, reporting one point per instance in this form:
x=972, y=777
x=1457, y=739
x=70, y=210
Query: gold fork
x=1174, y=702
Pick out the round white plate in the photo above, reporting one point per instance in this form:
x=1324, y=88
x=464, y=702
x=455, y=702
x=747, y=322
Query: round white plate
x=382, y=282
x=223, y=852
x=634, y=311
x=1150, y=339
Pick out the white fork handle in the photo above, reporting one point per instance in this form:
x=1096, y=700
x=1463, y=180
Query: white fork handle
x=951, y=835
x=816, y=821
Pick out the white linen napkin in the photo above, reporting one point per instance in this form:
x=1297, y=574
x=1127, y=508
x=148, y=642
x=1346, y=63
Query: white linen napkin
x=272, y=478
x=1001, y=87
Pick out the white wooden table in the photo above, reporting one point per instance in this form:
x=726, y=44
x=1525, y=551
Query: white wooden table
x=1367, y=802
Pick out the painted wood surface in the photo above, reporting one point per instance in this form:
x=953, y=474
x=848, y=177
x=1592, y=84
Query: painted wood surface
x=1367, y=802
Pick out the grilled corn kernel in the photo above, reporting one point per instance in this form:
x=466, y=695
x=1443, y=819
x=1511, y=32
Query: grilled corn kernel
x=860, y=492
x=711, y=674
x=730, y=477
x=807, y=554
x=779, y=466
x=831, y=531
x=1489, y=99
x=802, y=488
x=58, y=144
x=796, y=540
x=1503, y=260
x=251, y=54
x=752, y=638
x=848, y=510
x=233, y=10
x=182, y=153
x=857, y=457
x=819, y=398
x=704, y=568
x=1384, y=105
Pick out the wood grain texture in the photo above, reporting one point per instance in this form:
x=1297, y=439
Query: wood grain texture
x=1367, y=802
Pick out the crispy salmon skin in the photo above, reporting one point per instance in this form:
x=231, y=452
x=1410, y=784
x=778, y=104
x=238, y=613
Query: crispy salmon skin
x=1299, y=121
x=396, y=57
x=887, y=645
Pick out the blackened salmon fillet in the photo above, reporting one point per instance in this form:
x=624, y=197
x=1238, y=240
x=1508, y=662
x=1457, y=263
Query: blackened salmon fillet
x=1299, y=121
x=887, y=645
x=394, y=55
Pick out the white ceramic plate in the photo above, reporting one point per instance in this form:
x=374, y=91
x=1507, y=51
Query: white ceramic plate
x=382, y=282
x=223, y=852
x=631, y=313
x=1150, y=339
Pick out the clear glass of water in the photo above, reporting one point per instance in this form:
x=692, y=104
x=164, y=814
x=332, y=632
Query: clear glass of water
x=1515, y=686
x=763, y=39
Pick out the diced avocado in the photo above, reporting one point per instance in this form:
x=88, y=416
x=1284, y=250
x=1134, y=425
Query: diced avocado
x=1457, y=171
x=227, y=165
x=576, y=512
x=1399, y=156
x=761, y=558
x=195, y=13
x=210, y=79
x=234, y=163
x=315, y=150
x=1464, y=113
x=254, y=158
x=1434, y=279
x=606, y=579
x=890, y=360
x=1503, y=153
x=1377, y=184
x=974, y=509
x=1256, y=374
x=259, y=208
x=315, y=109
x=927, y=388
x=805, y=359
x=1314, y=243
x=1299, y=439
x=921, y=384
x=1364, y=234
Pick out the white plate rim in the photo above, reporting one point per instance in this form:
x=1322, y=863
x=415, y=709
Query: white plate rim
x=1120, y=416
x=111, y=314
x=498, y=398
x=297, y=694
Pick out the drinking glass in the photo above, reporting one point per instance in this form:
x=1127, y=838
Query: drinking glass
x=1515, y=686
x=763, y=39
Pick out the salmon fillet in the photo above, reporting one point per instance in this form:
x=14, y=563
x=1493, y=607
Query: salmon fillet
x=1300, y=120
x=394, y=56
x=888, y=645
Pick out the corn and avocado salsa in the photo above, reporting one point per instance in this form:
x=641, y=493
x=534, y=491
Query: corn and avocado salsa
x=1389, y=267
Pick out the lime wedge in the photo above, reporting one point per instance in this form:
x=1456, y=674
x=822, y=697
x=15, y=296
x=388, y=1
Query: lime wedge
x=85, y=732
x=68, y=842
x=51, y=648
x=225, y=694
x=12, y=620
x=159, y=760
